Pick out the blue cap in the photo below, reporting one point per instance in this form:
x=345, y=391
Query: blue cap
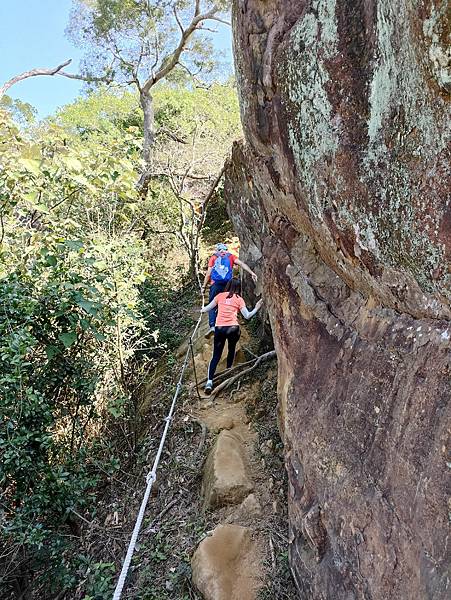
x=220, y=247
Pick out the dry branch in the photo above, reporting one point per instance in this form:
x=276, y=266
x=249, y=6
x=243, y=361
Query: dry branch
x=32, y=73
x=228, y=382
x=227, y=372
x=53, y=71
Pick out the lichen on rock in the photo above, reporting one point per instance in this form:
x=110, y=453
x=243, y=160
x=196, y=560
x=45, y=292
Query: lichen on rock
x=340, y=196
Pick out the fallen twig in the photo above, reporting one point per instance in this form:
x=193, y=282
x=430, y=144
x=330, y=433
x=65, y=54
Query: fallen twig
x=166, y=509
x=202, y=439
x=273, y=556
x=246, y=349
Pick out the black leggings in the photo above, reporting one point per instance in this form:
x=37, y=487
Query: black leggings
x=232, y=335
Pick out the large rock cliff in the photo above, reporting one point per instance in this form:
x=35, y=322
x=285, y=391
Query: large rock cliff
x=339, y=197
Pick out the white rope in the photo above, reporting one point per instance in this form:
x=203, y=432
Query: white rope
x=152, y=475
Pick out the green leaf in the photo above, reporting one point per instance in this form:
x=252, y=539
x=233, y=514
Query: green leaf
x=72, y=163
x=100, y=264
x=88, y=306
x=31, y=196
x=31, y=164
x=68, y=338
x=84, y=324
x=51, y=351
x=74, y=244
x=50, y=260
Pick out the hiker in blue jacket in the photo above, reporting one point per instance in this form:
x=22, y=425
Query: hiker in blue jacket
x=219, y=273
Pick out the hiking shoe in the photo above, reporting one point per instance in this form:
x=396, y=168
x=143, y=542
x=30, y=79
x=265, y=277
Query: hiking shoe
x=210, y=332
x=208, y=387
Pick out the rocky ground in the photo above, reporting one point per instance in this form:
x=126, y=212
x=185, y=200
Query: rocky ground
x=216, y=525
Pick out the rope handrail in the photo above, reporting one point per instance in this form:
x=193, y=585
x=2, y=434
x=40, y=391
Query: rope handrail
x=152, y=474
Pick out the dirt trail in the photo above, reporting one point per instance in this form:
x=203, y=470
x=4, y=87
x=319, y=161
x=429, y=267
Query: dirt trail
x=217, y=524
x=229, y=563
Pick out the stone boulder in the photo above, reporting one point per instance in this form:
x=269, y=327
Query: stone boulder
x=339, y=195
x=225, y=480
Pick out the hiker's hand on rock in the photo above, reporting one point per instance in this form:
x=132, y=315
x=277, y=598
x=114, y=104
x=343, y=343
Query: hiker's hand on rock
x=259, y=303
x=254, y=277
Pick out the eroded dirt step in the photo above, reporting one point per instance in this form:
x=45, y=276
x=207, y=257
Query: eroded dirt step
x=227, y=565
x=231, y=418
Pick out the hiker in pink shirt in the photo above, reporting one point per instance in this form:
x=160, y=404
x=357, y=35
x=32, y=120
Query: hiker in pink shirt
x=219, y=273
x=227, y=327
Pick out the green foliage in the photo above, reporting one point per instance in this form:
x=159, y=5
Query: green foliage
x=99, y=580
x=58, y=351
x=168, y=319
x=195, y=129
x=69, y=323
x=207, y=120
x=103, y=111
x=22, y=112
x=88, y=291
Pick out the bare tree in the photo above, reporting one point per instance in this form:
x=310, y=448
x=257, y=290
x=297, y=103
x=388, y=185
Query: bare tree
x=144, y=44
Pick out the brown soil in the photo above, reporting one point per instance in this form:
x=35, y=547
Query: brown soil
x=236, y=413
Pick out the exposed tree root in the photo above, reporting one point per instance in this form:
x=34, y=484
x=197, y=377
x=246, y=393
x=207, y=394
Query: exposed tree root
x=231, y=380
x=223, y=375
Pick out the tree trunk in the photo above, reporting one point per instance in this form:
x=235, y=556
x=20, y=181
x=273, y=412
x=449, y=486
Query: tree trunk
x=146, y=102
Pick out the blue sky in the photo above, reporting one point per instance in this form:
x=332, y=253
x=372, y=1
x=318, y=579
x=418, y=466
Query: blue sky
x=32, y=35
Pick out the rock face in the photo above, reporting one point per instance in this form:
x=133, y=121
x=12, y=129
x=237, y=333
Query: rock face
x=225, y=479
x=225, y=565
x=339, y=196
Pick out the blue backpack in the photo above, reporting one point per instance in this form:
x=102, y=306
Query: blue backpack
x=222, y=268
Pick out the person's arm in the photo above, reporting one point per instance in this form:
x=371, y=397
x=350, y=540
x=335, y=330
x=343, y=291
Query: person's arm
x=212, y=304
x=207, y=278
x=244, y=266
x=249, y=314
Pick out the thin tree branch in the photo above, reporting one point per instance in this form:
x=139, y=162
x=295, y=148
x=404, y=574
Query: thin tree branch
x=138, y=64
x=65, y=198
x=172, y=135
x=169, y=62
x=203, y=212
x=207, y=29
x=157, y=53
x=178, y=20
x=88, y=78
x=117, y=54
x=190, y=73
x=166, y=175
x=221, y=21
x=33, y=73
